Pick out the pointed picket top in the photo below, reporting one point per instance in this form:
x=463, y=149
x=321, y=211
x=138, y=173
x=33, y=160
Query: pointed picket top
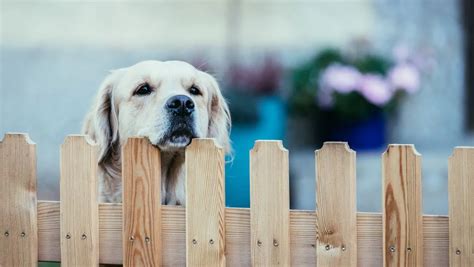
x=402, y=206
x=14, y=137
x=458, y=150
x=78, y=138
x=461, y=206
x=260, y=144
x=410, y=147
x=336, y=205
x=204, y=142
x=331, y=144
x=18, y=201
x=134, y=141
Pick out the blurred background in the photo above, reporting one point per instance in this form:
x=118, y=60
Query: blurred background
x=369, y=72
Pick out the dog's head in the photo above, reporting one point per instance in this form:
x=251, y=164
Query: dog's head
x=168, y=102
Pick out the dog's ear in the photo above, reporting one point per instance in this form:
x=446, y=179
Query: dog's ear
x=219, y=115
x=101, y=123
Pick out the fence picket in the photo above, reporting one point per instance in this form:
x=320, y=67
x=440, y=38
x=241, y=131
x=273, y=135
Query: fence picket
x=79, y=206
x=141, y=174
x=205, y=204
x=18, y=224
x=269, y=204
x=461, y=207
x=266, y=234
x=402, y=211
x=336, y=222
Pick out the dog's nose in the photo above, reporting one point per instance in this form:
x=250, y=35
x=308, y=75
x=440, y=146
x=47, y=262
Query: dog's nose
x=180, y=105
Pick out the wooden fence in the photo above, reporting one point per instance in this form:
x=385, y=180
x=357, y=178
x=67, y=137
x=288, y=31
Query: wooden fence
x=79, y=231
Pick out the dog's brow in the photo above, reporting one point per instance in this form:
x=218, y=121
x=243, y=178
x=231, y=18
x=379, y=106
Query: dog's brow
x=147, y=79
x=188, y=81
x=157, y=83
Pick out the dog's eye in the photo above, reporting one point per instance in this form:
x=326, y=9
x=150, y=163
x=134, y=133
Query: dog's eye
x=194, y=90
x=143, y=89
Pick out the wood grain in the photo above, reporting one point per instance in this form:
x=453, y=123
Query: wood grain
x=141, y=174
x=269, y=204
x=18, y=226
x=461, y=207
x=205, y=202
x=402, y=210
x=302, y=231
x=336, y=204
x=79, y=206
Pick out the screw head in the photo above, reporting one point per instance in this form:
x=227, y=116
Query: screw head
x=83, y=236
x=259, y=243
x=327, y=247
x=409, y=249
x=147, y=239
x=343, y=248
x=195, y=241
x=68, y=236
x=392, y=249
x=275, y=243
x=23, y=234
x=458, y=252
x=6, y=234
x=211, y=241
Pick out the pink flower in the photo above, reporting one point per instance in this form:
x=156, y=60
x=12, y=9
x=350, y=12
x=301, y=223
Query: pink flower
x=375, y=89
x=340, y=78
x=405, y=77
x=401, y=53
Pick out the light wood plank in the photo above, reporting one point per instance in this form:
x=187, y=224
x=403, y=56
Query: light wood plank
x=336, y=204
x=205, y=202
x=141, y=174
x=49, y=232
x=435, y=240
x=369, y=239
x=79, y=206
x=302, y=231
x=18, y=226
x=402, y=210
x=461, y=207
x=269, y=204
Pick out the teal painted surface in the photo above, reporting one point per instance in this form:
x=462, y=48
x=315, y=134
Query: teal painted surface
x=271, y=125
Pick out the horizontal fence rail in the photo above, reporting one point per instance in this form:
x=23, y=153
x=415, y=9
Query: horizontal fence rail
x=141, y=232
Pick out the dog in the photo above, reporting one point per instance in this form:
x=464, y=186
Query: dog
x=168, y=102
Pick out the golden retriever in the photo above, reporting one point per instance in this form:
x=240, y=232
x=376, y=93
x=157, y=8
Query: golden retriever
x=169, y=102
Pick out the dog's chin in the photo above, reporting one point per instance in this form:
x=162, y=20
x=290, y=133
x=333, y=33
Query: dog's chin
x=175, y=141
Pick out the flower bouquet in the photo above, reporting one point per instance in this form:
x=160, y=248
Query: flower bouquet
x=353, y=93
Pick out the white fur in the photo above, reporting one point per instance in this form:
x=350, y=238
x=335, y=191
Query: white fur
x=118, y=114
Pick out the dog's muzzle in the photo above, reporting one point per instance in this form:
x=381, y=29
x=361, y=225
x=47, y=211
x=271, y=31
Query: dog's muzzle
x=181, y=122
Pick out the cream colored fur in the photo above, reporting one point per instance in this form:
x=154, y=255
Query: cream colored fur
x=118, y=114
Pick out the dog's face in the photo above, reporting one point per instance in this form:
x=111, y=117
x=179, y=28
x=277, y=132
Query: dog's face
x=168, y=102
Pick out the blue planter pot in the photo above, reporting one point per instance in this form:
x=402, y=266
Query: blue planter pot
x=363, y=135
